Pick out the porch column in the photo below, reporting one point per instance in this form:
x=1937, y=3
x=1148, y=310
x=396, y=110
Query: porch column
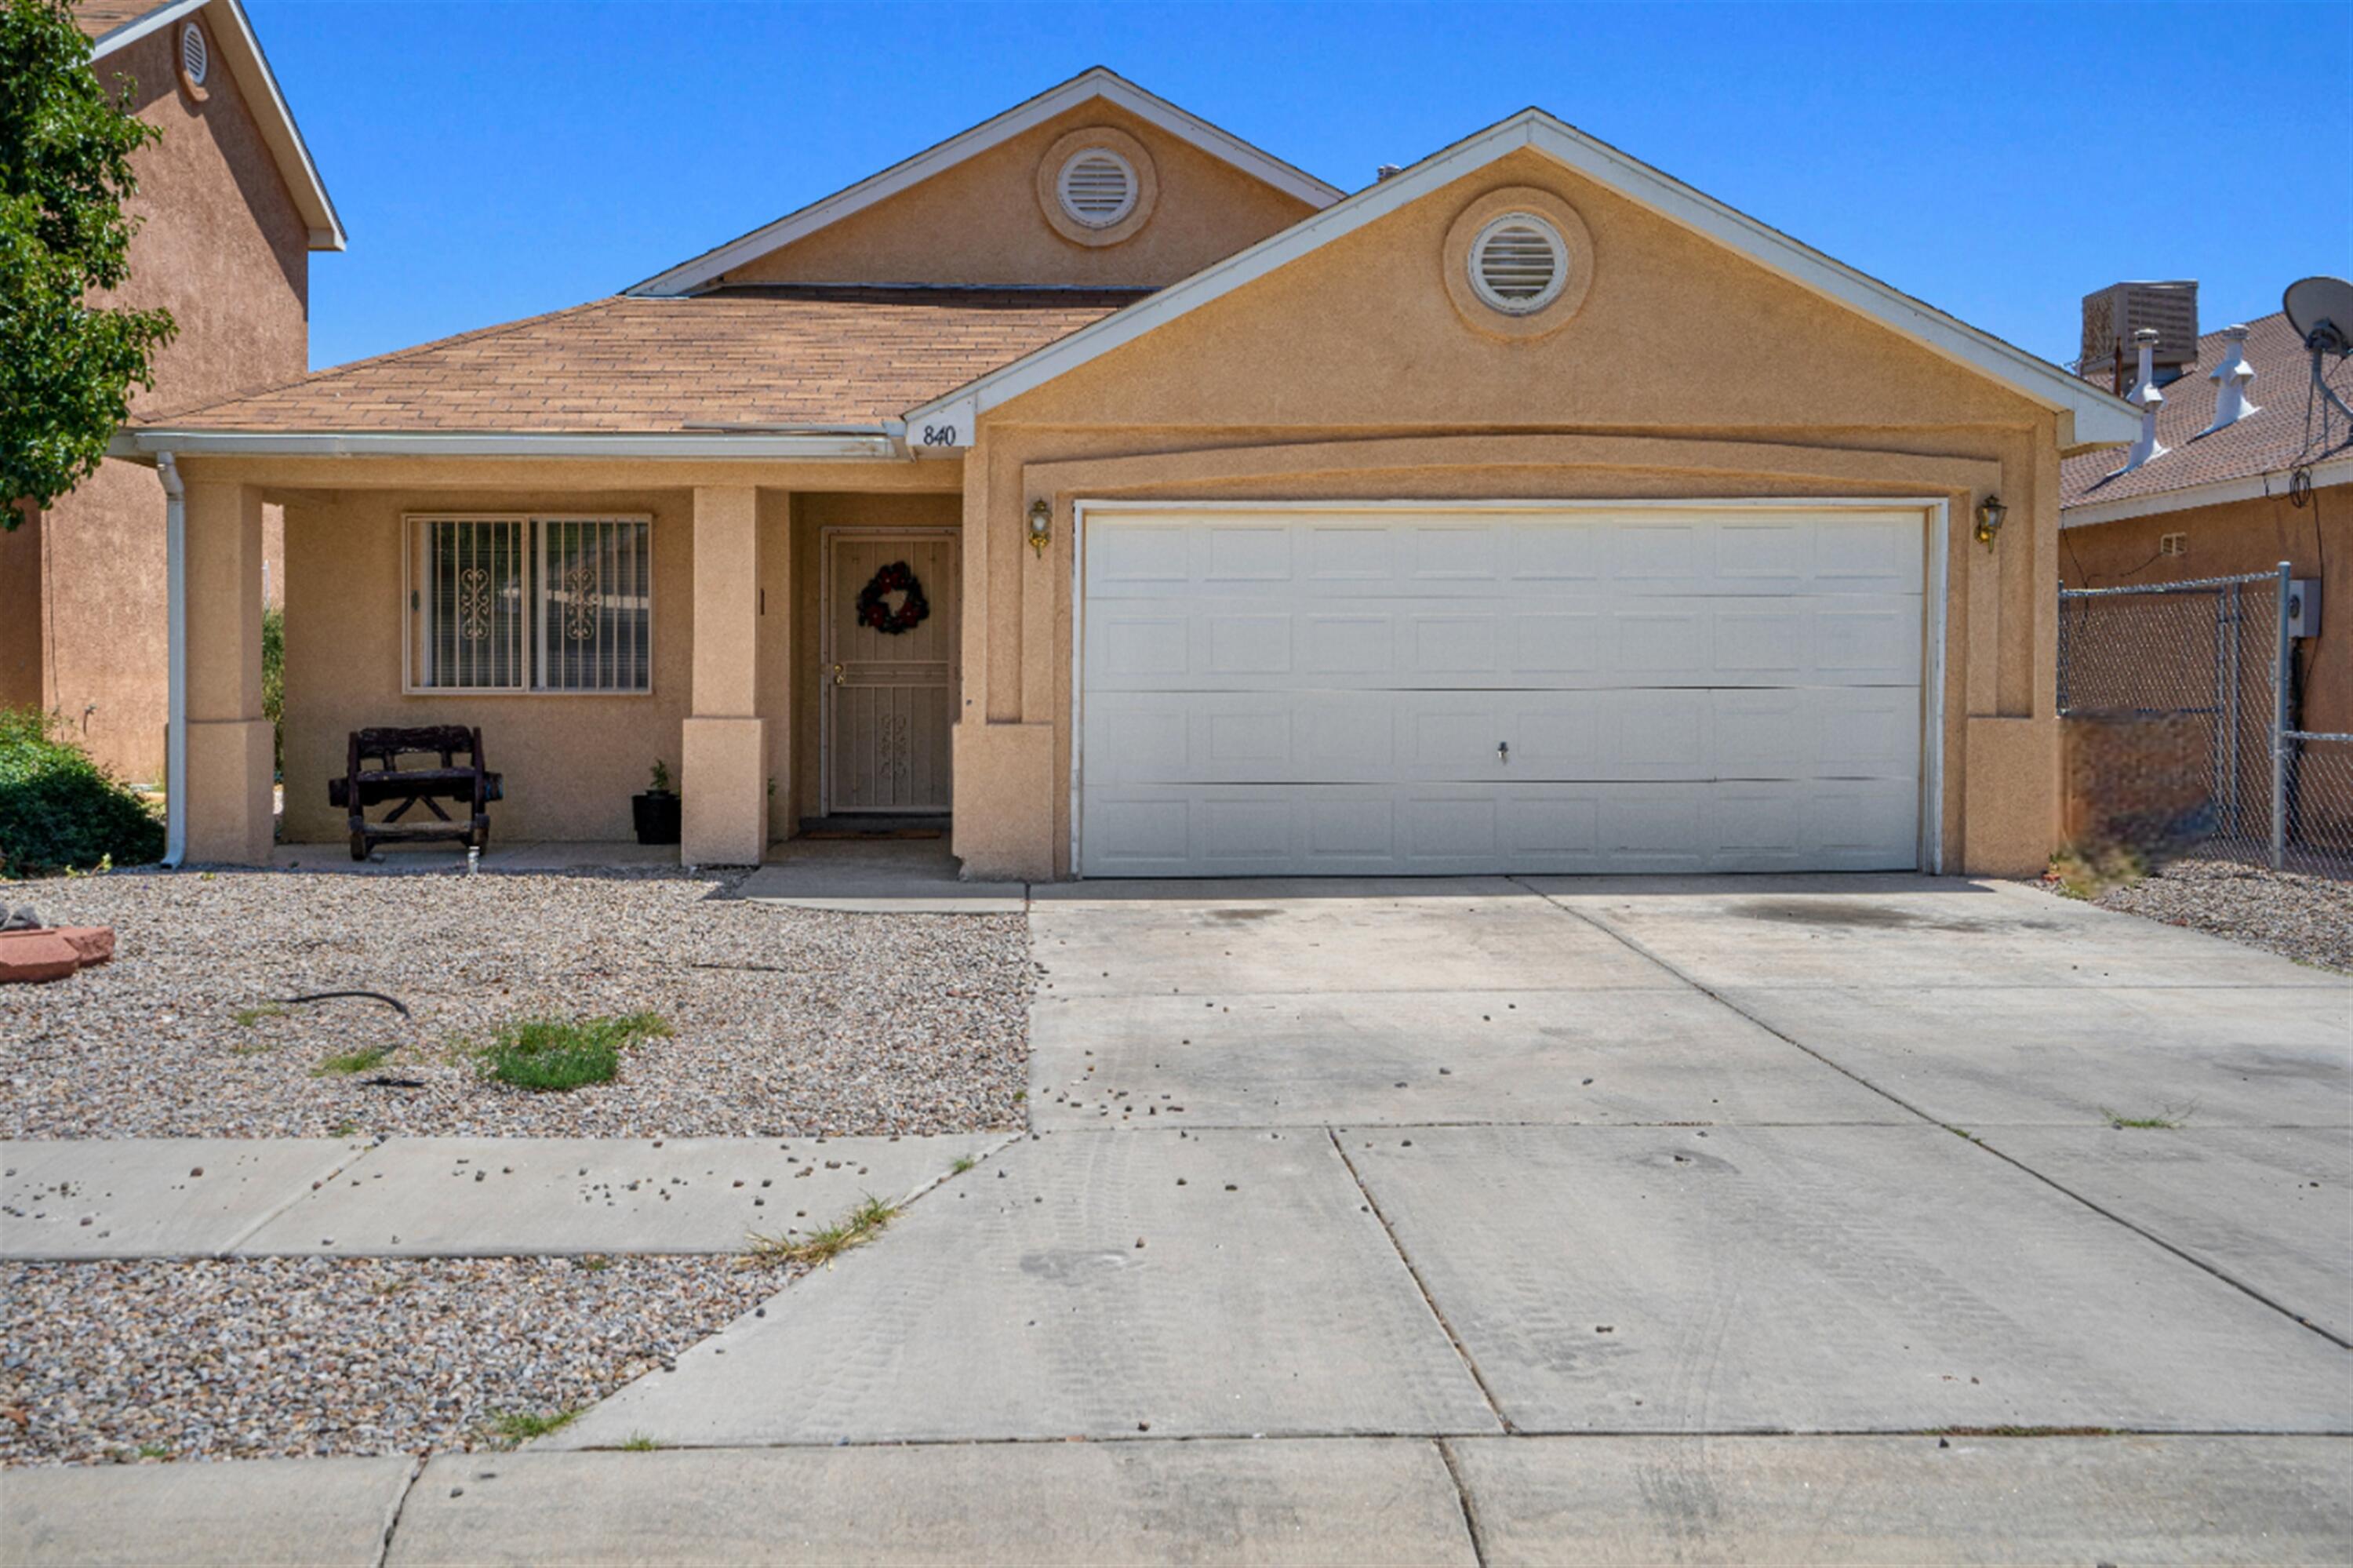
x=227, y=786
x=722, y=753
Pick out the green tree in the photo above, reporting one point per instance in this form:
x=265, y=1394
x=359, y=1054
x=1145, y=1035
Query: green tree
x=66, y=365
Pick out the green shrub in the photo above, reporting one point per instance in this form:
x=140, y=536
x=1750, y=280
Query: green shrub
x=59, y=810
x=273, y=682
x=564, y=1052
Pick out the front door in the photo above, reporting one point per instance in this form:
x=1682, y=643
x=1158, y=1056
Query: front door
x=890, y=673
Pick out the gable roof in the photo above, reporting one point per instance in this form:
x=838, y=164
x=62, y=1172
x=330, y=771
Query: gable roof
x=2201, y=470
x=109, y=25
x=801, y=369
x=1099, y=81
x=2099, y=418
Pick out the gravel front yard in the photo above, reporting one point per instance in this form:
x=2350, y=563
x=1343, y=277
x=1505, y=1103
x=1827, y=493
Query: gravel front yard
x=2308, y=918
x=311, y=1356
x=787, y=1023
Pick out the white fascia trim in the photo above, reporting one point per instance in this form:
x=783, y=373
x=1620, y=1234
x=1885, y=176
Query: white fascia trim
x=2101, y=418
x=254, y=78
x=826, y=446
x=2215, y=493
x=138, y=27
x=1098, y=83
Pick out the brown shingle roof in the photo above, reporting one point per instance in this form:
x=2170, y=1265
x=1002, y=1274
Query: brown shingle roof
x=781, y=355
x=98, y=17
x=2269, y=441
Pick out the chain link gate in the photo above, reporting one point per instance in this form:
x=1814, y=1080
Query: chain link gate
x=2176, y=703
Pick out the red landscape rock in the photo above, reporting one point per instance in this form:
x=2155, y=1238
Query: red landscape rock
x=94, y=943
x=52, y=952
x=31, y=957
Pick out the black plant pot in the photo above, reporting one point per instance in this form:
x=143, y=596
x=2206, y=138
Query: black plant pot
x=655, y=814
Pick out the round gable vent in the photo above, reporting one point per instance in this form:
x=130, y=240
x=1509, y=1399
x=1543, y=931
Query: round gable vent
x=195, y=55
x=1518, y=263
x=1097, y=187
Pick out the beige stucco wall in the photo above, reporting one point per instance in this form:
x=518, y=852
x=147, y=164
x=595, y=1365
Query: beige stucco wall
x=221, y=246
x=571, y=762
x=1688, y=371
x=980, y=222
x=2238, y=537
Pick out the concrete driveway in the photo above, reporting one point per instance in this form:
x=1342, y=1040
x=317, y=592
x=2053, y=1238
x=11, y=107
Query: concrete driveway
x=1497, y=1158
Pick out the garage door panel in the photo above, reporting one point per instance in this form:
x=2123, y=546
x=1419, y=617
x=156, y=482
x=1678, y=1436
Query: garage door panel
x=1688, y=734
x=1529, y=640
x=1457, y=554
x=1449, y=644
x=1274, y=693
x=1363, y=643
x=1305, y=557
x=1338, y=830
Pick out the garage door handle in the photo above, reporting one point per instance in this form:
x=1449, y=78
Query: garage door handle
x=1503, y=751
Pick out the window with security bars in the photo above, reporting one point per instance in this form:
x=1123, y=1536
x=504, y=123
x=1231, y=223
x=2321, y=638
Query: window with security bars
x=531, y=604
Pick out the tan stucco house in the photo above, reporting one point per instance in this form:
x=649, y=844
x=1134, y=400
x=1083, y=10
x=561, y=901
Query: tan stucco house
x=229, y=209
x=1156, y=508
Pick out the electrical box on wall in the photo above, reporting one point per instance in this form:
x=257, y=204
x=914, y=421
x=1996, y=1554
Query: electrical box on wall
x=2304, y=607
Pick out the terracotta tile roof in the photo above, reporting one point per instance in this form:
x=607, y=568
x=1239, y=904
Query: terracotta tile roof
x=98, y=17
x=777, y=356
x=2269, y=441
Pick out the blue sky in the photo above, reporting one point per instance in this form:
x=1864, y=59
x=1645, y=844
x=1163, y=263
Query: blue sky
x=501, y=158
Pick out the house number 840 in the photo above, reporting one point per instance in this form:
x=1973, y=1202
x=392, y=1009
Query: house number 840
x=939, y=435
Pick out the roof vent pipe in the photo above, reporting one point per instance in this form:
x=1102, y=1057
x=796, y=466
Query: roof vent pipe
x=1385, y=171
x=2231, y=380
x=2146, y=396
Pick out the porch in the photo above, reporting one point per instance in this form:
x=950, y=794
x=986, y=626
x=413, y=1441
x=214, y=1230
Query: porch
x=780, y=653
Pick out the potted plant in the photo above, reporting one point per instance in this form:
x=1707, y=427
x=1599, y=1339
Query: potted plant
x=656, y=812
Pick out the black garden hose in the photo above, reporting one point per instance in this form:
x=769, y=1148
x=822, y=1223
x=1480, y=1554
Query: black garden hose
x=393, y=1002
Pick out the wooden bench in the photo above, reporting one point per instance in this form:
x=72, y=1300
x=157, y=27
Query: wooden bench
x=363, y=786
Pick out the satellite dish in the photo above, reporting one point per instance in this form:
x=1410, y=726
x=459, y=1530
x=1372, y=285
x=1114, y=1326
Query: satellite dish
x=2321, y=311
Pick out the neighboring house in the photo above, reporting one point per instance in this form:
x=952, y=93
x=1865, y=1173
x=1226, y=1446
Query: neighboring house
x=1156, y=508
x=2218, y=500
x=229, y=209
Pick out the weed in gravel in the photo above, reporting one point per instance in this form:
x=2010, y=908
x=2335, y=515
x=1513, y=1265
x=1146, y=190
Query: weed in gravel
x=516, y=1426
x=557, y=1054
x=349, y=1061
x=248, y=1017
x=861, y=1225
x=2087, y=871
x=596, y=1262
x=2171, y=1119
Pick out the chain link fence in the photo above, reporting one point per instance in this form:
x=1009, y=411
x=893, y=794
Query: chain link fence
x=2177, y=706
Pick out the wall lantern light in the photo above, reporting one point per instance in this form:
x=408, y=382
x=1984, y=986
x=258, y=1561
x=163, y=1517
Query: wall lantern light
x=1990, y=513
x=1041, y=526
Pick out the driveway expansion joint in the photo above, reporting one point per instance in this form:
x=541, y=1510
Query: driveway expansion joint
x=1428, y=1301
x=392, y=1510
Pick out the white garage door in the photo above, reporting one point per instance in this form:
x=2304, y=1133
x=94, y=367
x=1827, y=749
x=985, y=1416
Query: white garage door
x=1588, y=689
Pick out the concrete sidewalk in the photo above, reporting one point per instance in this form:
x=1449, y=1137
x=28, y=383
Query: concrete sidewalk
x=1497, y=1501
x=446, y=1197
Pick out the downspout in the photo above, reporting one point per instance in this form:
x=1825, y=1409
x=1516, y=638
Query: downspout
x=176, y=620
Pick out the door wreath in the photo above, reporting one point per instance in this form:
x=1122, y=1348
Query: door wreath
x=912, y=610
